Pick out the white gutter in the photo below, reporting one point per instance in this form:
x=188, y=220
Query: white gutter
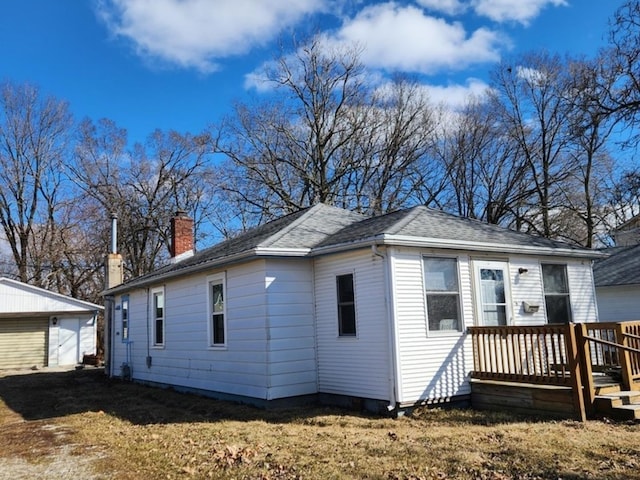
x=452, y=244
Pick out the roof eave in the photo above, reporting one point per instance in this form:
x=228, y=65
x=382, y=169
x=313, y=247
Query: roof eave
x=207, y=265
x=408, y=241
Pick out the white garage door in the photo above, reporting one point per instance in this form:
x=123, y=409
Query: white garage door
x=23, y=342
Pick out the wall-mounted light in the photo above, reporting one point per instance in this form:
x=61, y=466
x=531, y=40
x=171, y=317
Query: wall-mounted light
x=54, y=321
x=522, y=270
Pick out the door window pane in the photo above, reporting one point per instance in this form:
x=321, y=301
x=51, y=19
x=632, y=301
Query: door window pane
x=493, y=295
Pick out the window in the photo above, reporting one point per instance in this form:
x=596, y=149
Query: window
x=443, y=294
x=125, y=317
x=158, y=313
x=556, y=293
x=217, y=311
x=346, y=305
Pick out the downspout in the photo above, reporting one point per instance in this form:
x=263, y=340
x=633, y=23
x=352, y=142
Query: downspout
x=148, y=359
x=391, y=325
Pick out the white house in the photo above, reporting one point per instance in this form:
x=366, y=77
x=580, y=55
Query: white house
x=342, y=307
x=41, y=328
x=617, y=281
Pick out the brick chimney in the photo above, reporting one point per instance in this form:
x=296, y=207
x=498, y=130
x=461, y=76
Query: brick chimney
x=181, y=236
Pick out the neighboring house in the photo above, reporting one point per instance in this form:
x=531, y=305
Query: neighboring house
x=333, y=304
x=41, y=328
x=617, y=280
x=628, y=233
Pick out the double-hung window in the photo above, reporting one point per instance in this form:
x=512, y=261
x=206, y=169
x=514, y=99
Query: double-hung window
x=124, y=306
x=158, y=316
x=346, y=305
x=217, y=311
x=556, y=293
x=443, y=294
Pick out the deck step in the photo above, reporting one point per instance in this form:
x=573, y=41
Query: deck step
x=624, y=405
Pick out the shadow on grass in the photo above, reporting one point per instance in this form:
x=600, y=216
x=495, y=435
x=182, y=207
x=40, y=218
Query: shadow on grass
x=43, y=395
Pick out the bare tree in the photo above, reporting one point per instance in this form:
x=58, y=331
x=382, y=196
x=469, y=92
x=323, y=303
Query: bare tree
x=325, y=135
x=488, y=178
x=143, y=186
x=619, y=63
x=34, y=132
x=529, y=97
x=591, y=129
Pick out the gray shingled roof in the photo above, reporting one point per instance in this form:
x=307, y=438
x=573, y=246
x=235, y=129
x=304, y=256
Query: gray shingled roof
x=322, y=228
x=622, y=267
x=426, y=223
x=300, y=230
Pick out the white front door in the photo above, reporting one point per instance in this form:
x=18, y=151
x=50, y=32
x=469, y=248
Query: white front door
x=68, y=341
x=493, y=296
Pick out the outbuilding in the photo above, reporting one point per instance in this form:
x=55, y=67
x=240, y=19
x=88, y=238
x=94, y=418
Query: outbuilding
x=39, y=328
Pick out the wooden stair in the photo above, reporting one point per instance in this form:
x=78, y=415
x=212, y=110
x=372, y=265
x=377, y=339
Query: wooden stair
x=618, y=405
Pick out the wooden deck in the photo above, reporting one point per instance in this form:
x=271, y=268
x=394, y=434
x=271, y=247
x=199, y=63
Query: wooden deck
x=555, y=370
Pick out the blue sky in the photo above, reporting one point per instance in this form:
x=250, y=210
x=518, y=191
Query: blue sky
x=180, y=64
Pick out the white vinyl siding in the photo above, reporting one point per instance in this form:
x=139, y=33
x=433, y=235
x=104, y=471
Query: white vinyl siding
x=353, y=365
x=431, y=366
x=23, y=342
x=526, y=286
x=619, y=303
x=291, y=355
x=269, y=350
x=187, y=360
x=582, y=291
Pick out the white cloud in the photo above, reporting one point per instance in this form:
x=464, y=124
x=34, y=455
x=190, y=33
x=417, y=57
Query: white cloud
x=405, y=39
x=449, y=7
x=454, y=97
x=522, y=11
x=195, y=33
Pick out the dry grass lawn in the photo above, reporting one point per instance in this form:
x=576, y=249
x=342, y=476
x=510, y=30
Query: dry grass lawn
x=105, y=429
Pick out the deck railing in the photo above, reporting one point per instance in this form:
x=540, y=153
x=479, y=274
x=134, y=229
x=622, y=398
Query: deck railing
x=535, y=354
x=564, y=355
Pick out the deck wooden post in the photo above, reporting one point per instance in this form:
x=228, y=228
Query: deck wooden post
x=625, y=357
x=576, y=346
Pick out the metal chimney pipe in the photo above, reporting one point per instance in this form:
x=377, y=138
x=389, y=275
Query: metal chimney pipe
x=114, y=233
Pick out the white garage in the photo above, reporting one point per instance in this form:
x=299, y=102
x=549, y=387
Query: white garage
x=41, y=328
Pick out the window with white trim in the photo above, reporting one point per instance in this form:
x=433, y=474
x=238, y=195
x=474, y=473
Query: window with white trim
x=158, y=316
x=556, y=293
x=442, y=290
x=217, y=311
x=346, y=305
x=124, y=311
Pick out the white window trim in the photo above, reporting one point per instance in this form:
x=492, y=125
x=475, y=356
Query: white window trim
x=461, y=324
x=218, y=278
x=504, y=264
x=346, y=338
x=152, y=315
